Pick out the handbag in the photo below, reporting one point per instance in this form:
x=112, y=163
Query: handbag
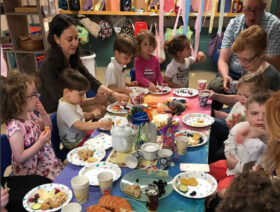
x=74, y=5
x=128, y=28
x=214, y=43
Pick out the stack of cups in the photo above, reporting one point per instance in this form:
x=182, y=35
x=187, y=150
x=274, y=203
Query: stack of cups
x=80, y=185
x=182, y=142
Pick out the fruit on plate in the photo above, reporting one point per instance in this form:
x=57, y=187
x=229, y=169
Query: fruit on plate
x=183, y=188
x=191, y=181
x=36, y=206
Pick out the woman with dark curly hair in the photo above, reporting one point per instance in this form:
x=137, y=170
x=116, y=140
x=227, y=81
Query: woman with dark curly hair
x=64, y=53
x=252, y=192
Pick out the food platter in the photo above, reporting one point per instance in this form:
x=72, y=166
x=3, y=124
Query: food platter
x=195, y=138
x=185, y=92
x=119, y=109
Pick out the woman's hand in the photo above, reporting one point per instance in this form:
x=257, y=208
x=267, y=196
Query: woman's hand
x=120, y=97
x=152, y=87
x=45, y=136
x=226, y=81
x=106, y=124
x=4, y=197
x=231, y=161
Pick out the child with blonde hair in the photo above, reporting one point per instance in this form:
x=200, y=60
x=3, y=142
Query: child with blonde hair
x=177, y=71
x=28, y=134
x=147, y=67
x=250, y=151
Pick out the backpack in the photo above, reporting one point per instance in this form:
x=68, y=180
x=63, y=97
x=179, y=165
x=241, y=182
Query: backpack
x=128, y=28
x=105, y=30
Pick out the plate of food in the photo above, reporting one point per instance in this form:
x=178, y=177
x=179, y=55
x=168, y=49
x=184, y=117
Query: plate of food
x=195, y=138
x=161, y=90
x=114, y=203
x=185, y=92
x=101, y=141
x=119, y=108
x=94, y=169
x=198, y=120
x=181, y=99
x=47, y=197
x=85, y=155
x=116, y=119
x=134, y=183
x=139, y=89
x=195, y=185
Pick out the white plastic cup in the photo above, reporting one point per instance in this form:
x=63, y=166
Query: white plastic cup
x=201, y=85
x=203, y=98
x=72, y=207
x=182, y=144
x=80, y=185
x=105, y=180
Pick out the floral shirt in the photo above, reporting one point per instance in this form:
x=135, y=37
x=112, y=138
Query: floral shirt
x=44, y=162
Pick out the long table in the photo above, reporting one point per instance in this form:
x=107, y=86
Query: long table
x=174, y=202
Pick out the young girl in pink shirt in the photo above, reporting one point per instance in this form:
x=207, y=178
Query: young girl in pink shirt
x=147, y=68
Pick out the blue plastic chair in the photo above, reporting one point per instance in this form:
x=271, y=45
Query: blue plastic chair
x=6, y=154
x=55, y=139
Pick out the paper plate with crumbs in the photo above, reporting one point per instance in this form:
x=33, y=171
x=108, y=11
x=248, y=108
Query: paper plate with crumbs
x=198, y=120
x=194, y=185
x=94, y=169
x=101, y=141
x=47, y=197
x=160, y=90
x=85, y=155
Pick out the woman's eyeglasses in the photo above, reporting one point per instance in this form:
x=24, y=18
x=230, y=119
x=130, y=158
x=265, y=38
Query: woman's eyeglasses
x=246, y=61
x=34, y=94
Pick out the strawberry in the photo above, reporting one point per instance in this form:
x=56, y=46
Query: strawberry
x=31, y=199
x=37, y=196
x=57, y=190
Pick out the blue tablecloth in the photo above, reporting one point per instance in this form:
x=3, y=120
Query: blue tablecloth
x=173, y=203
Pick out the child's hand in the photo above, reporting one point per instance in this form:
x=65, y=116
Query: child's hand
x=95, y=114
x=40, y=108
x=134, y=83
x=200, y=57
x=152, y=87
x=220, y=114
x=120, y=97
x=45, y=136
x=106, y=124
x=4, y=197
x=163, y=84
x=235, y=119
x=231, y=161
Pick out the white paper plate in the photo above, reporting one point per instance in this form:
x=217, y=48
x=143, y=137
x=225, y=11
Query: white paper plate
x=135, y=89
x=116, y=119
x=190, y=132
x=47, y=187
x=101, y=141
x=185, y=92
x=191, y=119
x=73, y=157
x=122, y=111
x=165, y=88
x=94, y=169
x=207, y=184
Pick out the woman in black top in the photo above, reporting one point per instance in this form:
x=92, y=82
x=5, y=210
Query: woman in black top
x=64, y=53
